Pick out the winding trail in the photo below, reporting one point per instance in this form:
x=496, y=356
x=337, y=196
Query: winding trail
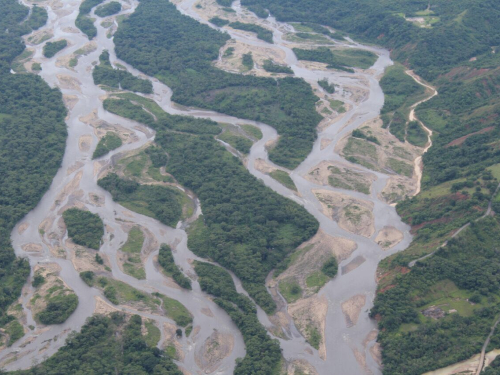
x=347, y=347
x=418, y=161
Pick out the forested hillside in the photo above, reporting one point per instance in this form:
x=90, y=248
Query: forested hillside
x=179, y=51
x=32, y=139
x=459, y=30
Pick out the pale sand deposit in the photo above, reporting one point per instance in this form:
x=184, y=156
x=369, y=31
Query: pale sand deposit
x=69, y=83
x=301, y=366
x=213, y=351
x=353, y=215
x=352, y=308
x=310, y=313
x=342, y=176
x=85, y=142
x=70, y=101
x=22, y=227
x=325, y=142
x=388, y=237
x=32, y=248
x=102, y=307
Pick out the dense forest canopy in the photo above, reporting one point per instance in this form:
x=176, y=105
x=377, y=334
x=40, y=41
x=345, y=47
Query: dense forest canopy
x=160, y=41
x=32, y=135
x=84, y=227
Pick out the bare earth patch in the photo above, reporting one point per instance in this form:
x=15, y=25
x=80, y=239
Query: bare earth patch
x=70, y=101
x=52, y=286
x=69, y=83
x=388, y=237
x=341, y=176
x=101, y=128
x=32, y=248
x=310, y=315
x=213, y=351
x=398, y=188
x=353, y=264
x=85, y=142
x=102, y=307
x=389, y=156
x=325, y=142
x=262, y=166
x=353, y=215
x=233, y=62
x=68, y=189
x=309, y=259
x=312, y=255
x=83, y=259
x=40, y=37
x=301, y=366
x=206, y=311
x=171, y=340
x=352, y=308
x=22, y=227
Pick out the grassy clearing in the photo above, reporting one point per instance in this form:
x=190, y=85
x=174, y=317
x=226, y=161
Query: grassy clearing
x=134, y=242
x=355, y=57
x=240, y=143
x=15, y=331
x=416, y=134
x=495, y=170
x=134, y=269
x=283, y=178
x=133, y=264
x=159, y=202
x=109, y=142
x=291, y=259
x=135, y=165
x=446, y=295
x=357, y=146
x=153, y=336
x=253, y=131
x=118, y=292
x=156, y=175
x=313, y=336
x=176, y=311
x=301, y=28
x=337, y=105
x=316, y=280
x=302, y=36
x=348, y=180
x=440, y=190
x=290, y=290
x=400, y=167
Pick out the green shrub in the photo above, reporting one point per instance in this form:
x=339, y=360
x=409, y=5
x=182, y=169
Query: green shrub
x=59, y=309
x=51, y=48
x=84, y=228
